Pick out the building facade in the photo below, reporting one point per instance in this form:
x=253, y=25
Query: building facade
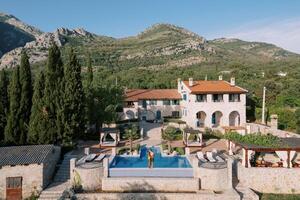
x=201, y=104
x=26, y=170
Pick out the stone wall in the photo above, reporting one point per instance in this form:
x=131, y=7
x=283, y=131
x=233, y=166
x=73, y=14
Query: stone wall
x=212, y=179
x=150, y=184
x=49, y=165
x=270, y=180
x=32, y=178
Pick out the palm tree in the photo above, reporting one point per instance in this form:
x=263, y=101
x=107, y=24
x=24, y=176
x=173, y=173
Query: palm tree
x=131, y=133
x=169, y=134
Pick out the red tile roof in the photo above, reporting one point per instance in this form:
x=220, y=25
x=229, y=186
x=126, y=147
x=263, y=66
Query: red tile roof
x=206, y=87
x=155, y=94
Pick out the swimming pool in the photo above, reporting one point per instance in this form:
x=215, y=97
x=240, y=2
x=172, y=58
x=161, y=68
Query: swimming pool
x=142, y=162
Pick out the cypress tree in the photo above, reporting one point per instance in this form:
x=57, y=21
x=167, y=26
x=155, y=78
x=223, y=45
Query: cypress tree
x=53, y=97
x=37, y=119
x=90, y=105
x=12, y=130
x=74, y=100
x=4, y=105
x=26, y=96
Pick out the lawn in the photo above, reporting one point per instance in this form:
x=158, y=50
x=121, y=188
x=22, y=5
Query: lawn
x=280, y=196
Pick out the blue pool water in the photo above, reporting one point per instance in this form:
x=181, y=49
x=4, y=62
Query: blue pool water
x=142, y=162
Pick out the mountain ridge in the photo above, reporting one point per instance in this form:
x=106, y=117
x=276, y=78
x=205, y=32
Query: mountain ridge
x=160, y=45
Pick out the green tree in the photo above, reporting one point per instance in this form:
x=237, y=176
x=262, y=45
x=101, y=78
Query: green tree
x=12, y=130
x=131, y=134
x=37, y=117
x=89, y=95
x=53, y=97
x=73, y=100
x=169, y=134
x=26, y=96
x=4, y=104
x=297, y=114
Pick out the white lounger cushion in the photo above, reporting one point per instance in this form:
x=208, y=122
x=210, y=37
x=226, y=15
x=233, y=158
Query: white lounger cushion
x=200, y=156
x=90, y=157
x=219, y=159
x=100, y=157
x=210, y=157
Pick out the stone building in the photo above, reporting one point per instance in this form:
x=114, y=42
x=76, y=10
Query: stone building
x=201, y=104
x=26, y=170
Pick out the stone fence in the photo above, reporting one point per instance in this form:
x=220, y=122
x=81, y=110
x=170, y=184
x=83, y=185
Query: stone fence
x=270, y=180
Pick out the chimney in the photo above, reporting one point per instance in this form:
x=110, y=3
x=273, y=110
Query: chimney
x=232, y=81
x=206, y=77
x=179, y=85
x=220, y=77
x=191, y=82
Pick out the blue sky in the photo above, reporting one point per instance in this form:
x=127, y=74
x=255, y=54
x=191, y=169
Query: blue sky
x=274, y=21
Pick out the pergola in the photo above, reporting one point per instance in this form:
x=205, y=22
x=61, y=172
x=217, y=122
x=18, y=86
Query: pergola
x=286, y=152
x=187, y=132
x=114, y=133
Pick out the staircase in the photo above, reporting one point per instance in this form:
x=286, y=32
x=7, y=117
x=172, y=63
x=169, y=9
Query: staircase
x=61, y=181
x=246, y=193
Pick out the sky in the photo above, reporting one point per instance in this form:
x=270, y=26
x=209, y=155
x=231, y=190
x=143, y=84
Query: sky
x=272, y=21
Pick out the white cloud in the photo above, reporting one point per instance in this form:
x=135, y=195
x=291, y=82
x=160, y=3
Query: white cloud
x=285, y=33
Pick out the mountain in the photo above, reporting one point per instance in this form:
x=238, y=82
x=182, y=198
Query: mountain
x=14, y=33
x=159, y=46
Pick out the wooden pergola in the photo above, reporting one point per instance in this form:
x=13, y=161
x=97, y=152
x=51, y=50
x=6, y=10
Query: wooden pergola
x=290, y=147
x=187, y=132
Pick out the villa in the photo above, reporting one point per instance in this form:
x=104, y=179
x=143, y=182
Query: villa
x=205, y=103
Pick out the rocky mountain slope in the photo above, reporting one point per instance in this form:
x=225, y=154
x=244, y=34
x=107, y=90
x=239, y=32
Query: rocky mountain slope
x=14, y=33
x=160, y=46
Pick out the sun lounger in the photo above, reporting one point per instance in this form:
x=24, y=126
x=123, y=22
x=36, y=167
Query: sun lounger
x=200, y=156
x=81, y=160
x=219, y=159
x=210, y=157
x=90, y=157
x=100, y=157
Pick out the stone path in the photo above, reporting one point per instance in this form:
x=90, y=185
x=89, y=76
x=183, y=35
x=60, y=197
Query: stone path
x=60, y=182
x=152, y=134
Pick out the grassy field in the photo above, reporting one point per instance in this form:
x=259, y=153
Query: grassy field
x=280, y=196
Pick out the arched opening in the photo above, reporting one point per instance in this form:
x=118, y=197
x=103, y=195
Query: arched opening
x=234, y=119
x=200, y=116
x=216, y=119
x=129, y=114
x=158, y=115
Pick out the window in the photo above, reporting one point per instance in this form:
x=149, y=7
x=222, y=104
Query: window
x=234, y=98
x=152, y=102
x=184, y=97
x=217, y=97
x=14, y=182
x=175, y=102
x=175, y=114
x=201, y=98
x=129, y=104
x=166, y=102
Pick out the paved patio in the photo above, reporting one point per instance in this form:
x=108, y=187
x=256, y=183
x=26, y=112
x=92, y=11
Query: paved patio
x=152, y=134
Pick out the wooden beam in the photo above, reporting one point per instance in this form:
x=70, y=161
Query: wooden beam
x=288, y=159
x=246, y=158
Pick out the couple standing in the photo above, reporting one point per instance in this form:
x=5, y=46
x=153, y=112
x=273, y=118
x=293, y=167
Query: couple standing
x=150, y=158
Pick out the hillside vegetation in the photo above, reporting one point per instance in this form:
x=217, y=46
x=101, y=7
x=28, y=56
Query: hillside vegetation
x=156, y=57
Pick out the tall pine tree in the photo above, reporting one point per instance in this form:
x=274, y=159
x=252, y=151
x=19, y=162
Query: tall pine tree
x=26, y=96
x=12, y=130
x=37, y=118
x=4, y=105
x=73, y=100
x=53, y=97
